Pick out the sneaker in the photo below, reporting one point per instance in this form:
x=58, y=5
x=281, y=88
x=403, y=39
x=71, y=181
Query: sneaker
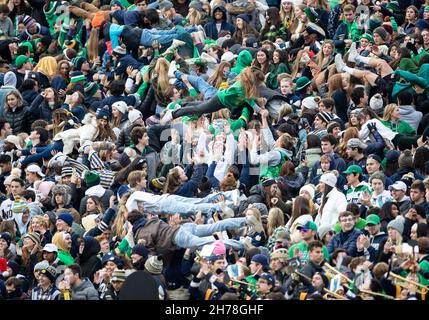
x=208, y=58
x=172, y=69
x=177, y=43
x=201, y=29
x=353, y=53
x=226, y=211
x=168, y=116
x=252, y=222
x=339, y=63
x=235, y=194
x=247, y=243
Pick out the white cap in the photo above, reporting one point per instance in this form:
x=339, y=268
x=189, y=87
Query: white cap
x=35, y=169
x=134, y=114
x=121, y=106
x=228, y=56
x=13, y=139
x=399, y=185
x=376, y=102
x=329, y=178
x=310, y=103
x=50, y=247
x=310, y=189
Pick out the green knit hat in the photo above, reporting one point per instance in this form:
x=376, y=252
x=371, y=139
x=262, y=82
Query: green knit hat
x=368, y=37
x=373, y=24
x=407, y=64
x=77, y=76
x=313, y=14
x=19, y=205
x=393, y=5
x=91, y=178
x=90, y=89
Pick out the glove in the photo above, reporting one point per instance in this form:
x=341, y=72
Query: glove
x=371, y=127
x=412, y=47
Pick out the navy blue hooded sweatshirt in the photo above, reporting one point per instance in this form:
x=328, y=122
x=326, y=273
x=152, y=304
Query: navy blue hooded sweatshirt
x=210, y=27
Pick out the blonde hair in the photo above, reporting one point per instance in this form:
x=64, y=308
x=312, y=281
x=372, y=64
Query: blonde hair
x=217, y=78
x=39, y=220
x=58, y=240
x=250, y=77
x=161, y=73
x=287, y=23
x=388, y=110
x=195, y=17
x=121, y=217
x=92, y=44
x=275, y=220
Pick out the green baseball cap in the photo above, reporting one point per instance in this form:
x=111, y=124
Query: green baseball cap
x=20, y=60
x=309, y=225
x=353, y=169
x=372, y=219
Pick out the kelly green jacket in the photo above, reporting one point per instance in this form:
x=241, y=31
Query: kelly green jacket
x=233, y=97
x=400, y=127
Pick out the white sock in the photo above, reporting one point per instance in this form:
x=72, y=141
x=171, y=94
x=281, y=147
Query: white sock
x=361, y=59
x=348, y=70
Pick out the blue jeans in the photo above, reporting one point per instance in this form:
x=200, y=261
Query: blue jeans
x=187, y=206
x=191, y=235
x=164, y=37
x=200, y=85
x=43, y=153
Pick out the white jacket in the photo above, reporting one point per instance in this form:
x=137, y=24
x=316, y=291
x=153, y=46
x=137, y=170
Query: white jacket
x=336, y=204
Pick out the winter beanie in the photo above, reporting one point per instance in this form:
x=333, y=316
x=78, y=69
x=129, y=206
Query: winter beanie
x=154, y=265
x=91, y=178
x=406, y=159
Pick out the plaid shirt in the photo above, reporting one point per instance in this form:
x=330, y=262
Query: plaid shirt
x=51, y=293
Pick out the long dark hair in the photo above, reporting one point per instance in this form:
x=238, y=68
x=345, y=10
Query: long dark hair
x=122, y=175
x=266, y=65
x=386, y=211
x=301, y=206
x=324, y=197
x=421, y=157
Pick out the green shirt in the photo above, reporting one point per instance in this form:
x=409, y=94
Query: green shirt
x=274, y=72
x=360, y=225
x=353, y=194
x=303, y=252
x=233, y=97
x=65, y=257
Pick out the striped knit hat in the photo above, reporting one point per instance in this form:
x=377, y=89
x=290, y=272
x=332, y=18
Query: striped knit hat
x=118, y=275
x=27, y=21
x=90, y=89
x=77, y=76
x=66, y=171
x=35, y=237
x=19, y=205
x=154, y=265
x=78, y=62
